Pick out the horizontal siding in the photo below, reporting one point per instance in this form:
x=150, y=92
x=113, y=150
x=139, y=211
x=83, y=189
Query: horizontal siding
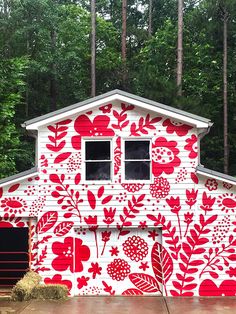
x=194, y=236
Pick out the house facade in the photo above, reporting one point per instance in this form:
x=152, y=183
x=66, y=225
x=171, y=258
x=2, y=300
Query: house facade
x=119, y=203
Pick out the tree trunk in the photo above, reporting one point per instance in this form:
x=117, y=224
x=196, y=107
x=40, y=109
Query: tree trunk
x=53, y=90
x=225, y=101
x=180, y=47
x=93, y=48
x=123, y=41
x=150, y=19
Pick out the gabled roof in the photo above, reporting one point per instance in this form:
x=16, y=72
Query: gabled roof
x=121, y=96
x=19, y=176
x=215, y=175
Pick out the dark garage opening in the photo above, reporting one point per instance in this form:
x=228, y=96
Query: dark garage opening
x=14, y=257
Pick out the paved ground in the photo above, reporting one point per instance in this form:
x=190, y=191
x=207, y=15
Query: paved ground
x=123, y=305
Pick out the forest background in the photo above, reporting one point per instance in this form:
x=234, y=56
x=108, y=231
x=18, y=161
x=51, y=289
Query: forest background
x=45, y=57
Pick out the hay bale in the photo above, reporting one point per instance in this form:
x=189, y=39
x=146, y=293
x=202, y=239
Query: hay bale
x=23, y=288
x=50, y=291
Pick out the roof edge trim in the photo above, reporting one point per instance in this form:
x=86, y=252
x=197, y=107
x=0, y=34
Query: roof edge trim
x=19, y=176
x=56, y=114
x=215, y=174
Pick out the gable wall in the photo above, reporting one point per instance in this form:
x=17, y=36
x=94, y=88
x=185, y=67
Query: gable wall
x=195, y=214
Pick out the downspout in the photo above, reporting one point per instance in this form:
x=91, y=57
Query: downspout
x=201, y=134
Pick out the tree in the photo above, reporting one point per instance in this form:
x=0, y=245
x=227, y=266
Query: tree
x=123, y=41
x=11, y=91
x=150, y=18
x=93, y=48
x=180, y=47
x=225, y=16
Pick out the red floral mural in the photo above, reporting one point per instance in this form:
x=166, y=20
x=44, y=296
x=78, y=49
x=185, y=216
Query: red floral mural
x=70, y=255
x=164, y=156
x=173, y=234
x=85, y=127
x=173, y=126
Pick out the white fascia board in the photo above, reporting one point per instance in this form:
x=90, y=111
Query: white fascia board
x=213, y=176
x=165, y=112
x=12, y=181
x=67, y=114
x=117, y=97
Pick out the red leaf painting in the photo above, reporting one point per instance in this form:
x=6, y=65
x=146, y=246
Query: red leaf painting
x=91, y=199
x=144, y=282
x=194, y=177
x=100, y=191
x=58, y=133
x=132, y=291
x=61, y=157
x=106, y=199
x=63, y=228
x=54, y=178
x=162, y=263
x=77, y=178
x=13, y=188
x=46, y=222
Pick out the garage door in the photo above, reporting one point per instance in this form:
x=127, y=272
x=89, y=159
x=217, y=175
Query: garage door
x=114, y=263
x=14, y=257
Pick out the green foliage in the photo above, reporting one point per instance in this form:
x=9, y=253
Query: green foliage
x=11, y=89
x=47, y=41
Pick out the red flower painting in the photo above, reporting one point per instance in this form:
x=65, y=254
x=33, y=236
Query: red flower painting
x=207, y=202
x=13, y=205
x=9, y=222
x=191, y=197
x=211, y=184
x=106, y=108
x=70, y=255
x=209, y=288
x=82, y=282
x=173, y=126
x=85, y=127
x=164, y=156
x=191, y=146
x=135, y=248
x=227, y=202
x=57, y=279
x=118, y=269
x=160, y=188
x=174, y=204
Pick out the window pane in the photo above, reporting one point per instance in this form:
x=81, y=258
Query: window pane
x=137, y=170
x=98, y=170
x=98, y=150
x=137, y=149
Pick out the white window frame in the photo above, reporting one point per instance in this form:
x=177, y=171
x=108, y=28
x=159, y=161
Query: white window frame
x=123, y=159
x=83, y=155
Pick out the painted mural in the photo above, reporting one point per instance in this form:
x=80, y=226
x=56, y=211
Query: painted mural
x=173, y=235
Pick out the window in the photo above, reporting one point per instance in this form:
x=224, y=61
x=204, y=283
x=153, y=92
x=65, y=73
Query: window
x=137, y=159
x=98, y=160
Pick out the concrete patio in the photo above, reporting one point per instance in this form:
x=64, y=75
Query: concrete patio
x=124, y=305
